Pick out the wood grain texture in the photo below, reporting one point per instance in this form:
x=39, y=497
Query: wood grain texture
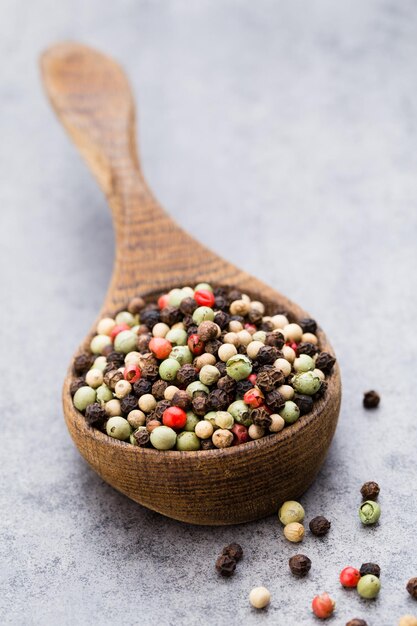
x=92, y=98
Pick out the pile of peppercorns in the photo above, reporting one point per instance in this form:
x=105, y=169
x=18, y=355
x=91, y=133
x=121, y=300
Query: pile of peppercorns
x=199, y=369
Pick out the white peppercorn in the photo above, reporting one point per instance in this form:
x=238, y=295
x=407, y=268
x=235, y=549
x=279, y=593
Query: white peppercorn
x=260, y=335
x=288, y=353
x=279, y=321
x=283, y=365
x=286, y=391
x=105, y=326
x=147, y=403
x=136, y=418
x=160, y=330
x=204, y=429
x=239, y=307
x=226, y=351
x=112, y=407
x=231, y=338
x=253, y=349
x=309, y=338
x=255, y=431
x=98, y=343
x=209, y=375
x=277, y=423
x=94, y=378
x=259, y=597
x=170, y=392
x=222, y=438
x=204, y=359
x=244, y=337
x=224, y=420
x=235, y=326
x=122, y=389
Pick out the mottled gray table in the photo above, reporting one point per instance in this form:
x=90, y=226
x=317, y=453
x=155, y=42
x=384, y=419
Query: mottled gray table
x=283, y=135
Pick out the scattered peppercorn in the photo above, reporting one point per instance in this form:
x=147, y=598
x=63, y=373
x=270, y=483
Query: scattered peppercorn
x=319, y=526
x=234, y=550
x=369, y=512
x=356, y=622
x=300, y=565
x=199, y=351
x=226, y=565
x=371, y=399
x=370, y=490
x=370, y=568
x=323, y=606
x=412, y=588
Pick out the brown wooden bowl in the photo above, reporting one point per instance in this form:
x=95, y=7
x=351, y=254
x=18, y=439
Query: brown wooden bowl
x=92, y=97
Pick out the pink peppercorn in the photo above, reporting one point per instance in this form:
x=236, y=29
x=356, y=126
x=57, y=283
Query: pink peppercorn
x=118, y=329
x=132, y=373
x=240, y=434
x=204, y=297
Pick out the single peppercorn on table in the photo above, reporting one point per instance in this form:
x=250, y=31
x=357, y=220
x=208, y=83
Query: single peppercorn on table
x=92, y=98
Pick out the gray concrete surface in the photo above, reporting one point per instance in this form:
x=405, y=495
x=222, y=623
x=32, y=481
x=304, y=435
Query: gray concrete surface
x=283, y=134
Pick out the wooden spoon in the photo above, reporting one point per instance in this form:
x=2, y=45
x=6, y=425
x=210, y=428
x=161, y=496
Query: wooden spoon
x=92, y=97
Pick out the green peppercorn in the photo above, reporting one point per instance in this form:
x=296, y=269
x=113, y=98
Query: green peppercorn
x=192, y=421
x=83, y=397
x=182, y=354
x=239, y=367
x=368, y=586
x=260, y=335
x=369, y=512
x=291, y=511
x=177, y=336
x=98, y=343
x=290, y=413
x=303, y=363
x=187, y=441
x=239, y=410
x=163, y=438
x=104, y=394
x=203, y=313
x=124, y=317
x=126, y=341
x=168, y=369
x=306, y=383
x=211, y=417
x=224, y=420
x=205, y=286
x=175, y=297
x=209, y=374
x=195, y=386
x=118, y=428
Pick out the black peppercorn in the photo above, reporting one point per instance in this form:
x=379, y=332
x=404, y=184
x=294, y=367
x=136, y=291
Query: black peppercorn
x=267, y=355
x=356, y=622
x=237, y=318
x=325, y=362
x=150, y=317
x=321, y=390
x=221, y=319
x=191, y=329
x=412, y=588
x=142, y=330
x=304, y=403
x=212, y=347
x=188, y=306
x=234, y=550
x=117, y=359
x=170, y=315
x=242, y=386
x=159, y=409
x=82, y=363
x=267, y=326
x=149, y=368
x=200, y=403
x=112, y=378
x=221, y=303
x=254, y=316
x=269, y=378
x=218, y=400
x=275, y=339
x=128, y=403
x=207, y=331
x=143, y=343
x=319, y=526
x=274, y=400
x=370, y=568
x=142, y=436
x=225, y=565
x=207, y=444
x=261, y=417
x=300, y=565
x=95, y=415
x=107, y=350
x=308, y=325
x=370, y=490
x=136, y=305
x=187, y=374
x=227, y=383
x=306, y=348
x=158, y=389
x=371, y=399
x=76, y=383
x=142, y=386
x=221, y=367
x=181, y=399
x=234, y=294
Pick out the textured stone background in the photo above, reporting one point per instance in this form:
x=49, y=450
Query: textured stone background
x=283, y=134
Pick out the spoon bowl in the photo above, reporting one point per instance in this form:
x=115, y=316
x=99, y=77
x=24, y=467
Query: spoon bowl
x=92, y=97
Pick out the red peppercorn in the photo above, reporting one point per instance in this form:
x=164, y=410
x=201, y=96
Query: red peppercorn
x=132, y=373
x=204, y=297
x=195, y=344
x=163, y=301
x=292, y=344
x=323, y=606
x=254, y=397
x=250, y=327
x=118, y=329
x=252, y=379
x=174, y=417
x=349, y=576
x=160, y=347
x=240, y=434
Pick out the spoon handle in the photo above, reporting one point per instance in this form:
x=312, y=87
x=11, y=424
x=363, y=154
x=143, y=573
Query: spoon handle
x=93, y=99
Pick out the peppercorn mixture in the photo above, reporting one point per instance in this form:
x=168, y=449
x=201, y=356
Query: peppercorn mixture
x=200, y=368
